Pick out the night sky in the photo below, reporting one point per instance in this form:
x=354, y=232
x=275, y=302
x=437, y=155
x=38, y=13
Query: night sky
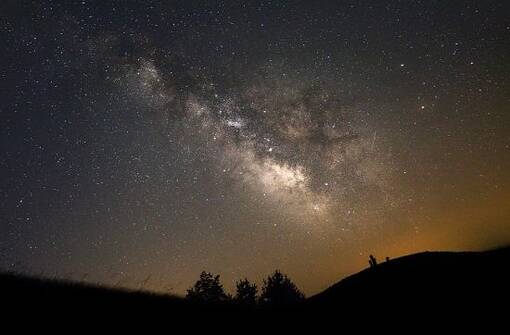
x=143, y=142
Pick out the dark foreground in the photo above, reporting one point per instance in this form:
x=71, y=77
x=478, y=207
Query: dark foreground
x=447, y=281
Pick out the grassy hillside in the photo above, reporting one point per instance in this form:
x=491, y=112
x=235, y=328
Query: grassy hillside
x=444, y=279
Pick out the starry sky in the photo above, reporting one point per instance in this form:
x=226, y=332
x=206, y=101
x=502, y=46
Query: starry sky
x=143, y=142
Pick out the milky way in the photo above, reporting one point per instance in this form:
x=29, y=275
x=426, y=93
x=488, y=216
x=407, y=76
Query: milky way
x=145, y=142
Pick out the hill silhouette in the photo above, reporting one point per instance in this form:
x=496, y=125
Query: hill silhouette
x=445, y=279
x=39, y=295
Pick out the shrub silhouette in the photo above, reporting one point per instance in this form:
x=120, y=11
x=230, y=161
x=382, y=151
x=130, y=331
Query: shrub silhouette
x=246, y=293
x=280, y=291
x=207, y=289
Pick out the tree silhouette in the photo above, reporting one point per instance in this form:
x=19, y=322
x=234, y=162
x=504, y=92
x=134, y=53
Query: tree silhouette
x=246, y=293
x=207, y=289
x=279, y=291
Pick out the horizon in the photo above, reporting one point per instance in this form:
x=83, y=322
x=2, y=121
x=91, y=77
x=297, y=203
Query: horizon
x=139, y=288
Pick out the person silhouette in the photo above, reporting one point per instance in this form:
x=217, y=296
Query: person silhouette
x=372, y=261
